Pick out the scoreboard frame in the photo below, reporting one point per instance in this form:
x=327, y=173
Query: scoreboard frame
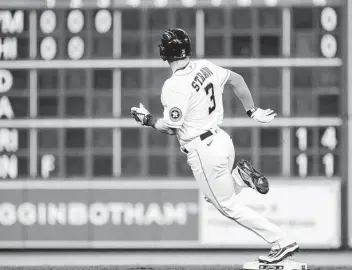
x=286, y=62
x=116, y=64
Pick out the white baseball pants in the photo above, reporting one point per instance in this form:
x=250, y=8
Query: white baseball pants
x=211, y=161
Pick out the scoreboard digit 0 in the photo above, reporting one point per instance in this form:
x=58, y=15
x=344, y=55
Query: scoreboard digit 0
x=75, y=34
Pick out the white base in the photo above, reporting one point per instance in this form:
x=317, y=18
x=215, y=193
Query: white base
x=284, y=265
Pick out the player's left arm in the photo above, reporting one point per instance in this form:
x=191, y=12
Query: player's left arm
x=175, y=104
x=160, y=125
x=143, y=116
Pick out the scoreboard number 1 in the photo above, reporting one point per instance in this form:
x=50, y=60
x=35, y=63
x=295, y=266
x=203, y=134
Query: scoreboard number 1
x=328, y=160
x=301, y=134
x=302, y=163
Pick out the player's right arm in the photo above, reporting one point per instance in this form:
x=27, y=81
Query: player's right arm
x=235, y=81
x=240, y=88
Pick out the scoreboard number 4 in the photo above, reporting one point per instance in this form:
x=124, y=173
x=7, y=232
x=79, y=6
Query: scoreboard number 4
x=329, y=138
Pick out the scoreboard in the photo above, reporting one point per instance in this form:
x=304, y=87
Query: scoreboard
x=70, y=71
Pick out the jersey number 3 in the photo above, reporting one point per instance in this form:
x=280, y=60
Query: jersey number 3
x=212, y=97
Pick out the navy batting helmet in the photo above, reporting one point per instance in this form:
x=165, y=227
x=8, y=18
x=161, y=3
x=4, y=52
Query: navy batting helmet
x=175, y=45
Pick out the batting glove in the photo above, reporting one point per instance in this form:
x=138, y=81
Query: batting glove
x=262, y=116
x=140, y=114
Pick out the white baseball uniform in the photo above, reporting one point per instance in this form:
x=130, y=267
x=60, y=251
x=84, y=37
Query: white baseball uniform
x=192, y=100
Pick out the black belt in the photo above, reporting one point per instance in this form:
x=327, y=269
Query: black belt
x=205, y=135
x=202, y=138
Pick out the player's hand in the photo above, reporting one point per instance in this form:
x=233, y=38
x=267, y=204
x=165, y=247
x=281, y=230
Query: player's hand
x=140, y=114
x=263, y=116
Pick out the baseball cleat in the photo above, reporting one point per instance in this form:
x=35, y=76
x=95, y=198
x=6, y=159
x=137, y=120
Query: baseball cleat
x=279, y=254
x=252, y=178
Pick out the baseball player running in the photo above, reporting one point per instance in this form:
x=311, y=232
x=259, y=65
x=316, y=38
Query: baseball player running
x=193, y=111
